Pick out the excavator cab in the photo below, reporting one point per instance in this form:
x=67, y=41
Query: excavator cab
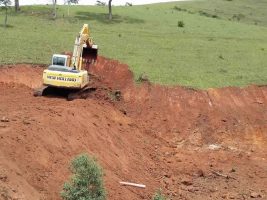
x=61, y=60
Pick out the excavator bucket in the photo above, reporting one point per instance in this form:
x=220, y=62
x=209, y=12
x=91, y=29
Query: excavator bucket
x=89, y=56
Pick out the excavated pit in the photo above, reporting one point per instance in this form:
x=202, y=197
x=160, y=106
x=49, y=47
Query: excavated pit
x=194, y=144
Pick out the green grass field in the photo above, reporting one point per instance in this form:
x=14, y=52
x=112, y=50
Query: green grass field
x=222, y=43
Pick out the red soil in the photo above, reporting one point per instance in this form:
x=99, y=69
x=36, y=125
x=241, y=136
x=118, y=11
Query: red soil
x=194, y=144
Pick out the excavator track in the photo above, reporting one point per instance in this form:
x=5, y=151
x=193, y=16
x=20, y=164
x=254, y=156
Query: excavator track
x=69, y=94
x=40, y=91
x=81, y=94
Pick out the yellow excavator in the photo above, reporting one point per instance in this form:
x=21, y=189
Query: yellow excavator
x=70, y=72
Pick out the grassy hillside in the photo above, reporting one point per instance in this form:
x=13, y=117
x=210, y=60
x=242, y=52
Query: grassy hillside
x=213, y=49
x=245, y=11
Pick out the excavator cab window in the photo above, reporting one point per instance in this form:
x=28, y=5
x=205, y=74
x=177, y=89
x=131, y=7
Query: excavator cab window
x=59, y=61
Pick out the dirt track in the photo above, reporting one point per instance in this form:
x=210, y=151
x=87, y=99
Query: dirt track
x=193, y=144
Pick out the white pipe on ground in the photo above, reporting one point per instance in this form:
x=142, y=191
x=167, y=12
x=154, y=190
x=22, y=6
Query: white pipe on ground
x=133, y=184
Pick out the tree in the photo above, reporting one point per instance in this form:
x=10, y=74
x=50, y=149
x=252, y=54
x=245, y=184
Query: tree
x=55, y=8
x=69, y=2
x=17, y=8
x=6, y=3
x=86, y=182
x=72, y=1
x=109, y=10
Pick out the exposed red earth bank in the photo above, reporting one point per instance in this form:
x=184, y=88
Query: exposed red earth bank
x=194, y=144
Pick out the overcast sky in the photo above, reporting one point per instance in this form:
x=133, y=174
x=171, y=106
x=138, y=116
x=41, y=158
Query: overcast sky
x=93, y=2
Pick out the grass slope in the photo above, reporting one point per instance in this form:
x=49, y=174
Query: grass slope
x=215, y=48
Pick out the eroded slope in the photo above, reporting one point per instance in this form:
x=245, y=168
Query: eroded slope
x=194, y=144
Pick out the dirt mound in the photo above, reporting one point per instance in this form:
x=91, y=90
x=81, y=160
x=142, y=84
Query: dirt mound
x=193, y=144
x=26, y=74
x=113, y=73
x=43, y=134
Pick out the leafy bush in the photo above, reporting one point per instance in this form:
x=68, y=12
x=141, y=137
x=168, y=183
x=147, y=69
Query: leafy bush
x=159, y=196
x=180, y=24
x=86, y=182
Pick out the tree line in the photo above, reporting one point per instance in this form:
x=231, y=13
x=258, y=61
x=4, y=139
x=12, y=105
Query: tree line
x=7, y=3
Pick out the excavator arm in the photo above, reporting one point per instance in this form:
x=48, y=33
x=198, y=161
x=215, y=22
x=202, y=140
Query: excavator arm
x=84, y=50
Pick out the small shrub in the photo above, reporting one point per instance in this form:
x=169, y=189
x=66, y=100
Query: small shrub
x=179, y=9
x=221, y=57
x=180, y=24
x=159, y=196
x=203, y=13
x=239, y=77
x=86, y=182
x=142, y=78
x=238, y=17
x=115, y=95
x=223, y=71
